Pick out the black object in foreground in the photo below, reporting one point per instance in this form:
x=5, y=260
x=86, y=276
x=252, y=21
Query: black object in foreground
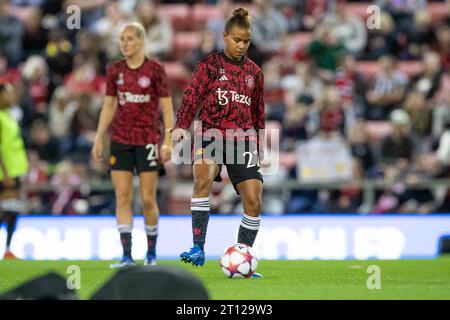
x=152, y=283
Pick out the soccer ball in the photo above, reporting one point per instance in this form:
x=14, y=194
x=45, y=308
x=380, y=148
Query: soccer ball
x=238, y=261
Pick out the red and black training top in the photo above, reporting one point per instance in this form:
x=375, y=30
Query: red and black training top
x=137, y=119
x=226, y=94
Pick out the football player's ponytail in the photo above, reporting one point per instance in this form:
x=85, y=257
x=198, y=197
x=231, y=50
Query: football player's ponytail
x=241, y=18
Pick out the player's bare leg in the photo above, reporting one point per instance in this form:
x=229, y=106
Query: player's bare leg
x=123, y=188
x=251, y=195
x=205, y=171
x=12, y=206
x=148, y=185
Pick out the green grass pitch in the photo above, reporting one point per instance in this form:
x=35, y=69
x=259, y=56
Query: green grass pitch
x=285, y=279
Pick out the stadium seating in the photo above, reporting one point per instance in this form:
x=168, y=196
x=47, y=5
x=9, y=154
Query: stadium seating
x=179, y=15
x=377, y=130
x=185, y=42
x=359, y=9
x=300, y=39
x=201, y=13
x=371, y=68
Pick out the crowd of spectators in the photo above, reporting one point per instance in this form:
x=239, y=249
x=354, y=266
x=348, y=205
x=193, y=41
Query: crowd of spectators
x=395, y=124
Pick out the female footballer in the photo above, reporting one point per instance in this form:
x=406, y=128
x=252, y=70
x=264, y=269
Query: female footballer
x=136, y=88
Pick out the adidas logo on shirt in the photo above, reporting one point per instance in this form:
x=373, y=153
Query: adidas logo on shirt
x=223, y=78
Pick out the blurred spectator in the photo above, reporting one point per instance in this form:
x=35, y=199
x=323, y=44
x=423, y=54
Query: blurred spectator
x=292, y=11
x=331, y=115
x=295, y=121
x=433, y=82
x=88, y=46
x=35, y=36
x=443, y=45
x=8, y=74
x=303, y=83
x=398, y=145
x=11, y=34
x=381, y=41
x=352, y=85
x=38, y=174
x=303, y=95
x=416, y=199
x=35, y=76
x=402, y=11
x=347, y=27
x=159, y=30
x=84, y=77
x=388, y=90
x=58, y=53
x=109, y=27
x=361, y=149
x=420, y=114
x=84, y=124
x=216, y=25
x=207, y=46
x=61, y=112
x=68, y=182
x=314, y=11
x=423, y=35
x=269, y=26
x=325, y=50
x=43, y=142
x=273, y=92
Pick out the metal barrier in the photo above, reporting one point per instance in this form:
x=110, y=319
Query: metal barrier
x=368, y=187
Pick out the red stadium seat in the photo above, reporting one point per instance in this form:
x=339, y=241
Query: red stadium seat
x=251, y=7
x=437, y=10
x=377, y=130
x=174, y=70
x=179, y=15
x=370, y=68
x=201, y=13
x=185, y=42
x=359, y=9
x=300, y=38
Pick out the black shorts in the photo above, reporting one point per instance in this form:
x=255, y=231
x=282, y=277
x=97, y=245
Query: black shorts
x=134, y=158
x=240, y=158
x=16, y=187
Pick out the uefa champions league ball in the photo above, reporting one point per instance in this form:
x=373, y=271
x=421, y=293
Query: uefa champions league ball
x=238, y=261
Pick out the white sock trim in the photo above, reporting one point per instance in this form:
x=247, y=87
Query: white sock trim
x=125, y=228
x=200, y=209
x=200, y=204
x=251, y=218
x=195, y=200
x=251, y=223
x=13, y=205
x=151, y=230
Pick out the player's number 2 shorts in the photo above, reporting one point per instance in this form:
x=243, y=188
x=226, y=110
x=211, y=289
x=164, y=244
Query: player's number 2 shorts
x=242, y=163
x=134, y=158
